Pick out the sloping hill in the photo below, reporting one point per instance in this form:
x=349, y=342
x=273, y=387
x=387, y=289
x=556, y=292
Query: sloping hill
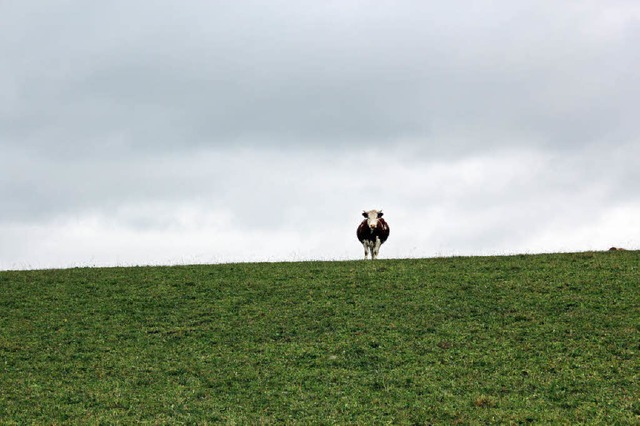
x=536, y=338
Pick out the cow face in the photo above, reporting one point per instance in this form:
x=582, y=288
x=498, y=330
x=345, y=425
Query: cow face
x=372, y=217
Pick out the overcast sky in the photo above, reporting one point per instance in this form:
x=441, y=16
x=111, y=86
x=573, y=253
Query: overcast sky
x=171, y=132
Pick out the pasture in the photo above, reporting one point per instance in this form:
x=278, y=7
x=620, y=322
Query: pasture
x=519, y=339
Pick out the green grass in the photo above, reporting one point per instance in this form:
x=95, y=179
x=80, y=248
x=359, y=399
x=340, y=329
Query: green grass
x=481, y=340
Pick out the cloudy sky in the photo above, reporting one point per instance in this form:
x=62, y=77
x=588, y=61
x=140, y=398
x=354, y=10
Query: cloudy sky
x=171, y=132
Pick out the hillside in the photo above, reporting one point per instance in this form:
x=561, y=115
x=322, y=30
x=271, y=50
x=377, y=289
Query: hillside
x=513, y=339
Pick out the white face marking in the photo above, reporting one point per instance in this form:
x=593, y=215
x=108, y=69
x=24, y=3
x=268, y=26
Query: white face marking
x=372, y=218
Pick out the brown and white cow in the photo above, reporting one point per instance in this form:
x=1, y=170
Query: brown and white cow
x=372, y=232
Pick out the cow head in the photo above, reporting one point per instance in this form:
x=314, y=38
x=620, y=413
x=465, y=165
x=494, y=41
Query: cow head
x=372, y=217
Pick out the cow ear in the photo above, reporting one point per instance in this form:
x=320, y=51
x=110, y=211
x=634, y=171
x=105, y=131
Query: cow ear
x=364, y=214
x=380, y=214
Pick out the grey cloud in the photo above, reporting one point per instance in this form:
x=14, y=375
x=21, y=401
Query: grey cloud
x=274, y=185
x=290, y=74
x=309, y=204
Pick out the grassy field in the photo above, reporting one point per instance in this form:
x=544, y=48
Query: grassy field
x=503, y=340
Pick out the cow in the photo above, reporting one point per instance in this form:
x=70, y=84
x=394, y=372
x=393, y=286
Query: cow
x=372, y=232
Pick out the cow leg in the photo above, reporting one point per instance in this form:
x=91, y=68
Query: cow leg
x=376, y=248
x=365, y=244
